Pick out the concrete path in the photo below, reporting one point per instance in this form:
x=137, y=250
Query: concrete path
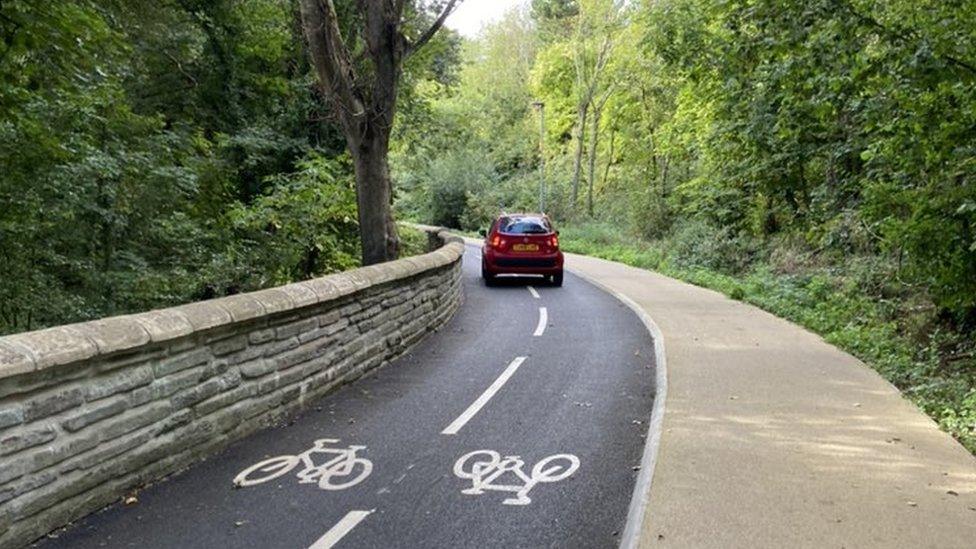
x=773, y=438
x=414, y=455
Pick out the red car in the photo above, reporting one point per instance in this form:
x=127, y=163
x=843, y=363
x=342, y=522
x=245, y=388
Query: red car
x=522, y=244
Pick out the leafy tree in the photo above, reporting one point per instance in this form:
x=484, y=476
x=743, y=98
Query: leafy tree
x=363, y=97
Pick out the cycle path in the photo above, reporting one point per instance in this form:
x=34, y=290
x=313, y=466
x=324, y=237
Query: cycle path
x=585, y=388
x=774, y=438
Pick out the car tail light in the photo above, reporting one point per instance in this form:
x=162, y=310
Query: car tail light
x=554, y=241
x=497, y=242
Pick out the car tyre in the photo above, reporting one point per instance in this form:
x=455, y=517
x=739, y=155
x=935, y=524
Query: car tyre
x=557, y=279
x=487, y=277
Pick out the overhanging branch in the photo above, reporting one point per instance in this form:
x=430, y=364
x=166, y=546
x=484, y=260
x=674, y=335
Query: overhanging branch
x=429, y=33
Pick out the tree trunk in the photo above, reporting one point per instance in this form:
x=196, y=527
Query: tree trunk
x=610, y=154
x=374, y=194
x=594, y=140
x=578, y=158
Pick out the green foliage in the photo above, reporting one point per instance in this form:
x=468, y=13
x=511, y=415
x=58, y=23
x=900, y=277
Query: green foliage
x=303, y=226
x=155, y=153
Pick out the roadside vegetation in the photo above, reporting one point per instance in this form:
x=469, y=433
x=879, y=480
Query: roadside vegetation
x=816, y=159
x=154, y=153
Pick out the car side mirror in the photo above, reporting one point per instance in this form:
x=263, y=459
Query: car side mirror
x=557, y=233
x=483, y=232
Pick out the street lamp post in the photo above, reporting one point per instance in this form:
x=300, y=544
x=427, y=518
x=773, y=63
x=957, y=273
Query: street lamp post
x=541, y=107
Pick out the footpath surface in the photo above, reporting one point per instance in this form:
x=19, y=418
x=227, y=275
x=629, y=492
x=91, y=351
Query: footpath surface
x=773, y=438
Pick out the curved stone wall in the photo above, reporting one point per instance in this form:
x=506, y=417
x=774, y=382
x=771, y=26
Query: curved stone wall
x=91, y=410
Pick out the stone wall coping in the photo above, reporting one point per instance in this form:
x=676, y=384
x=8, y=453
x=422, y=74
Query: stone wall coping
x=50, y=347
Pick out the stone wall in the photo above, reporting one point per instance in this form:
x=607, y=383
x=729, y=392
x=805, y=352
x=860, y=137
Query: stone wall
x=92, y=410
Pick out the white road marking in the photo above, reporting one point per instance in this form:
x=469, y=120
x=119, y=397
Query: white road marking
x=342, y=528
x=543, y=322
x=532, y=291
x=458, y=423
x=488, y=465
x=343, y=464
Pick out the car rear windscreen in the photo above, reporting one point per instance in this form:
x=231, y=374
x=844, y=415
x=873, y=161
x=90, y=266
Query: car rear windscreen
x=525, y=225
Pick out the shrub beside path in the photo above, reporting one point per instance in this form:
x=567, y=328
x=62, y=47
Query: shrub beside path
x=774, y=438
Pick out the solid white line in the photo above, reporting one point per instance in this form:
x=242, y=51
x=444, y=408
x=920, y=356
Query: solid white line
x=543, y=322
x=342, y=528
x=532, y=291
x=631, y=537
x=455, y=426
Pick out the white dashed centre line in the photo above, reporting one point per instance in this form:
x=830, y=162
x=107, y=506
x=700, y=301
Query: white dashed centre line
x=532, y=291
x=477, y=405
x=543, y=322
x=342, y=528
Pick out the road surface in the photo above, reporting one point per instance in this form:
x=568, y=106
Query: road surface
x=562, y=378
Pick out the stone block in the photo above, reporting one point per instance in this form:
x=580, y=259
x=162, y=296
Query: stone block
x=164, y=324
x=296, y=327
x=95, y=411
x=53, y=346
x=204, y=315
x=274, y=300
x=118, y=333
x=242, y=307
x=261, y=336
x=15, y=359
x=183, y=361
x=164, y=387
x=51, y=402
x=26, y=437
x=257, y=368
x=133, y=419
x=229, y=345
x=301, y=295
x=324, y=288
x=117, y=382
x=11, y=414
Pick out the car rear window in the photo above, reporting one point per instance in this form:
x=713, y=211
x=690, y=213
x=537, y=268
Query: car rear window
x=524, y=225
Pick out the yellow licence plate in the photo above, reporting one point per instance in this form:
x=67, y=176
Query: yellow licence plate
x=525, y=247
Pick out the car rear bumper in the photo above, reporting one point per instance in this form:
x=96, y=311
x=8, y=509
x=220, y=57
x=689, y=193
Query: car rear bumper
x=539, y=264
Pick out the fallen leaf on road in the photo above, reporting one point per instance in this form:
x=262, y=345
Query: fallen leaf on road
x=130, y=500
x=857, y=404
x=952, y=492
x=912, y=504
x=240, y=523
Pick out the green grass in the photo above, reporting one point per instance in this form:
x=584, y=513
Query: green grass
x=933, y=366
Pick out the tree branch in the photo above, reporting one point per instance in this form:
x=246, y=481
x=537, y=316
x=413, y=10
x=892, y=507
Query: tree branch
x=907, y=36
x=331, y=59
x=429, y=33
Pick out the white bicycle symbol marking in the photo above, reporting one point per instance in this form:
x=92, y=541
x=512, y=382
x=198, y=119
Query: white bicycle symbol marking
x=345, y=465
x=483, y=467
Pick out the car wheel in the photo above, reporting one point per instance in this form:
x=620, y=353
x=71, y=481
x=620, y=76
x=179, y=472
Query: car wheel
x=557, y=279
x=487, y=277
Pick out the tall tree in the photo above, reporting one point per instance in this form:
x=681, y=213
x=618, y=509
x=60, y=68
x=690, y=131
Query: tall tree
x=597, y=23
x=359, y=74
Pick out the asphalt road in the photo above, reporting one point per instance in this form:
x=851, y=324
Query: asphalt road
x=582, y=391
